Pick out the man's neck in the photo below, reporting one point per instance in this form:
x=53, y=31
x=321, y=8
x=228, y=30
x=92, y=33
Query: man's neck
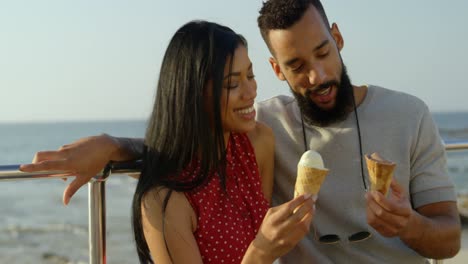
x=360, y=93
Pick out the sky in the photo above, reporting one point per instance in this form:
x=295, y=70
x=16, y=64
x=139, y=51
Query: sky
x=69, y=60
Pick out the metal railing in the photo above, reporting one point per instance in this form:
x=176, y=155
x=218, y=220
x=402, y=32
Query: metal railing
x=96, y=200
x=97, y=197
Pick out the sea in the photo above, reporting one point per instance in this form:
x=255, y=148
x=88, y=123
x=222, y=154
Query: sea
x=35, y=227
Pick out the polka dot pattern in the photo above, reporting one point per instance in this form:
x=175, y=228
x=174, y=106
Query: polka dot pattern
x=228, y=221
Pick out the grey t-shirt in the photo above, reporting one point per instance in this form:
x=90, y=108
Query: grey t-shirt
x=396, y=125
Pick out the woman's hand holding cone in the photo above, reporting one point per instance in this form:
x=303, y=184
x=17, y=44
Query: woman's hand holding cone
x=283, y=227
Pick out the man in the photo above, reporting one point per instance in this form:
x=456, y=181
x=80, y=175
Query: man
x=417, y=220
x=419, y=217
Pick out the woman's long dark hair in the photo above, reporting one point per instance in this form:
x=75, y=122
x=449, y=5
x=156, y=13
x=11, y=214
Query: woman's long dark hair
x=181, y=126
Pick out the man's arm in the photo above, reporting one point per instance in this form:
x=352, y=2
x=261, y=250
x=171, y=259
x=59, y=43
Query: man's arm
x=85, y=158
x=432, y=230
x=128, y=149
x=428, y=220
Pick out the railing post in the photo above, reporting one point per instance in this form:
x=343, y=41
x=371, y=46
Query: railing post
x=97, y=219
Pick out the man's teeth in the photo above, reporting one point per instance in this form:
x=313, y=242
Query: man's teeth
x=246, y=110
x=324, y=91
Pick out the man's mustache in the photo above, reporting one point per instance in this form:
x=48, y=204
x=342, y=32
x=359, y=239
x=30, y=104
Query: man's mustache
x=322, y=86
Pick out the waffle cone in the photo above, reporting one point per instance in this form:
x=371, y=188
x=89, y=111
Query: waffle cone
x=380, y=174
x=309, y=180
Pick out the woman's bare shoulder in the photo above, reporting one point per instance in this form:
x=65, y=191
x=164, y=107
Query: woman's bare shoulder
x=261, y=134
x=177, y=207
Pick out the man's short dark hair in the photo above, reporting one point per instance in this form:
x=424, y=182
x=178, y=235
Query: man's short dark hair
x=282, y=14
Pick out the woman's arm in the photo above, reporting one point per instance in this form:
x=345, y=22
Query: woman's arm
x=263, y=142
x=177, y=244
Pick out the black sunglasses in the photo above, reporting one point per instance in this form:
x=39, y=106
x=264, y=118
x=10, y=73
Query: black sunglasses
x=332, y=238
x=361, y=235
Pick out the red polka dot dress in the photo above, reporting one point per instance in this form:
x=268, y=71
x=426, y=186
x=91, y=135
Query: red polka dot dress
x=228, y=221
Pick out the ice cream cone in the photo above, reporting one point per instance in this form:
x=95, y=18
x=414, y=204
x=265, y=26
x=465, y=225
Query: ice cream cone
x=309, y=180
x=380, y=172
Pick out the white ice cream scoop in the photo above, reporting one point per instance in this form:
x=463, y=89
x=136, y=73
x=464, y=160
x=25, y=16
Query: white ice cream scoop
x=311, y=159
x=310, y=174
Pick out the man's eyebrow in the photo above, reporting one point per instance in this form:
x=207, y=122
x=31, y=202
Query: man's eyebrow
x=237, y=73
x=291, y=62
x=324, y=43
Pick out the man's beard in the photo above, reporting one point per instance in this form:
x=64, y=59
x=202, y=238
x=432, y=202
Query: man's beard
x=314, y=115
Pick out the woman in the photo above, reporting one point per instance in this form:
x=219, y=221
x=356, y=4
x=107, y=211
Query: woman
x=207, y=178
